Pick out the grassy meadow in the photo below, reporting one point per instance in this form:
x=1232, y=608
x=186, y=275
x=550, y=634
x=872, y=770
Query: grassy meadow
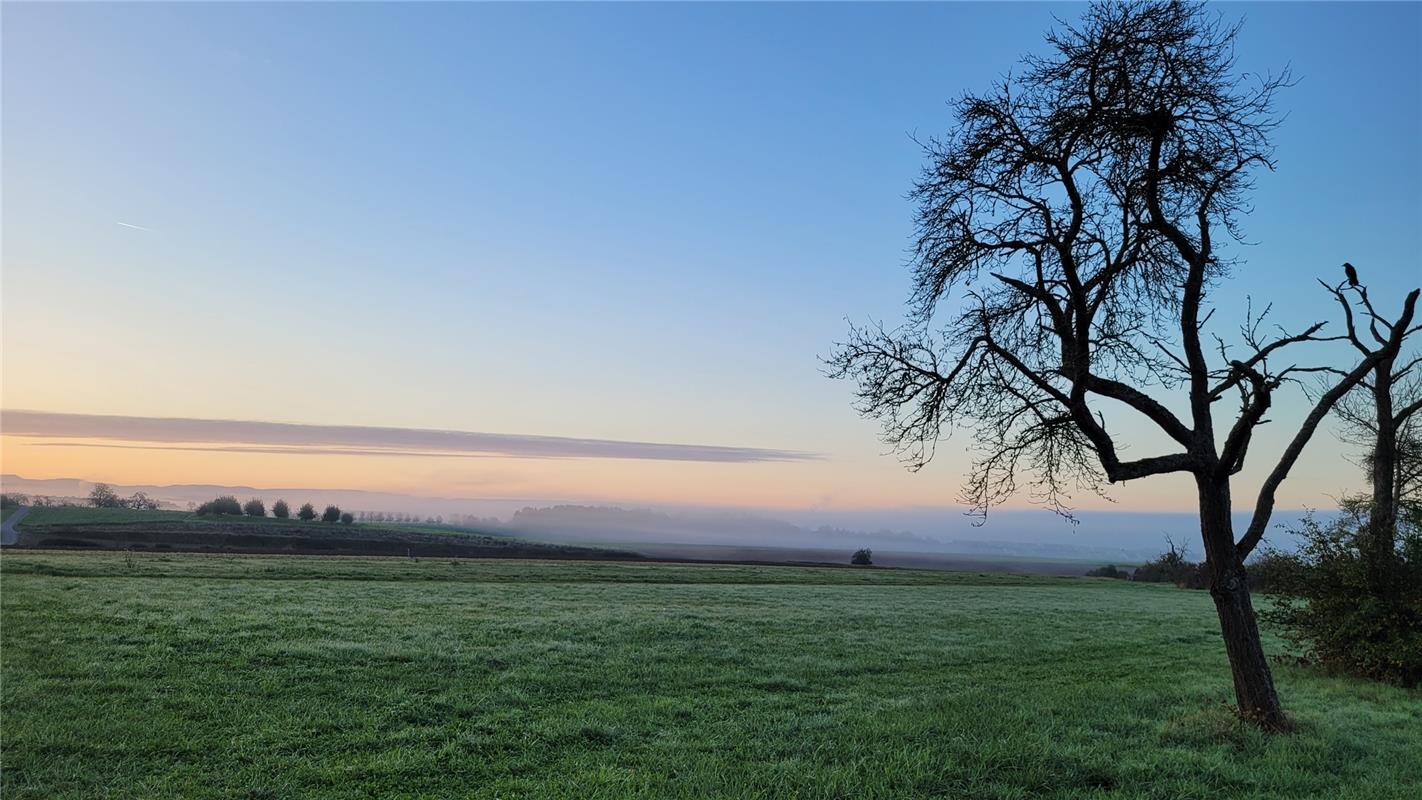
x=84, y=515
x=207, y=676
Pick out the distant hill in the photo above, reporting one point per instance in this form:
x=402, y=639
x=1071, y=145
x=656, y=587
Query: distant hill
x=1121, y=536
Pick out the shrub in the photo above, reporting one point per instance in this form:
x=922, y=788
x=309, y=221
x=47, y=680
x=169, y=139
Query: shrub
x=307, y=512
x=13, y=500
x=226, y=504
x=1325, y=604
x=332, y=514
x=254, y=508
x=347, y=518
x=281, y=510
x=1268, y=569
x=1173, y=567
x=863, y=557
x=1109, y=571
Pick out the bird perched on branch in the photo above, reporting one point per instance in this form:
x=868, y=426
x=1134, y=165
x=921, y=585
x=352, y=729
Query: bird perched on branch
x=1351, y=273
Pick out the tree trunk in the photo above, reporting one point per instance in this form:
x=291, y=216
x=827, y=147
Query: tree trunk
x=1229, y=587
x=1381, y=540
x=1253, y=683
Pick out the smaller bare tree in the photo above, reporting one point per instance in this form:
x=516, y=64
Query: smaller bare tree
x=1382, y=410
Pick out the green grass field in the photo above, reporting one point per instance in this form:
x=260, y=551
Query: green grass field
x=166, y=676
x=83, y=515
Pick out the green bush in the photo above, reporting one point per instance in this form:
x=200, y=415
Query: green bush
x=281, y=510
x=1326, y=605
x=1173, y=567
x=1109, y=571
x=254, y=508
x=227, y=504
x=347, y=518
x=307, y=512
x=863, y=557
x=332, y=514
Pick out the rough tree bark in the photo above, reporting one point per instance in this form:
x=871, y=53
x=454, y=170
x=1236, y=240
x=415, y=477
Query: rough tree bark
x=1382, y=511
x=1229, y=588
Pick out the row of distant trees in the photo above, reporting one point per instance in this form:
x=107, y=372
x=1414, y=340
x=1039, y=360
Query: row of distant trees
x=399, y=516
x=228, y=505
x=104, y=496
x=16, y=499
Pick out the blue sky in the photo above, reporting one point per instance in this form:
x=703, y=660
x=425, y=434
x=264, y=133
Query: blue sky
x=625, y=221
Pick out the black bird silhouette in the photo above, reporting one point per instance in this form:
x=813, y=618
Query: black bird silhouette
x=1351, y=273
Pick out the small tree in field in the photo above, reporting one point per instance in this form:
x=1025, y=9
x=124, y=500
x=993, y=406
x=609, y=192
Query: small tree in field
x=332, y=514
x=254, y=508
x=307, y=512
x=1074, y=219
x=140, y=501
x=281, y=510
x=347, y=518
x=862, y=557
x=104, y=496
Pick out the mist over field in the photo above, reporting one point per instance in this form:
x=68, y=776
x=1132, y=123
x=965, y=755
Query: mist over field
x=1127, y=536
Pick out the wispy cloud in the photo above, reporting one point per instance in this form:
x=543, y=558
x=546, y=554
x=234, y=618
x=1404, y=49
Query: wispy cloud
x=295, y=450
x=135, y=227
x=255, y=436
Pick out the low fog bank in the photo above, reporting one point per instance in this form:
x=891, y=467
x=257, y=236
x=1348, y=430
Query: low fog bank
x=1123, y=537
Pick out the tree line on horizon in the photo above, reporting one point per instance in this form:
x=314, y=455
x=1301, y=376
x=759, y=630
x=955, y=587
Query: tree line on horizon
x=103, y=496
x=228, y=505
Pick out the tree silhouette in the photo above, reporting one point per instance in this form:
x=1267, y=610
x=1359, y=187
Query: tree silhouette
x=1384, y=411
x=1073, y=219
x=104, y=496
x=307, y=512
x=140, y=501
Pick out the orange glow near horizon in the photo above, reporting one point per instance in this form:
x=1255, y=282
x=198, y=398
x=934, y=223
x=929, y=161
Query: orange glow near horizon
x=832, y=483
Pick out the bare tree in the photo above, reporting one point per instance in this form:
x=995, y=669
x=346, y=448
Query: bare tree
x=104, y=496
x=1073, y=216
x=1383, y=410
x=140, y=501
